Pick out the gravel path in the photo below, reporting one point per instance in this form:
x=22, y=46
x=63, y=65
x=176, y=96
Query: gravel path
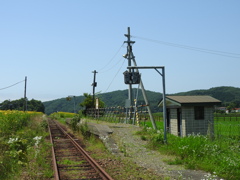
x=124, y=142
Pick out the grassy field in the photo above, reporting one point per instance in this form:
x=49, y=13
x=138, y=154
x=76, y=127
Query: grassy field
x=219, y=156
x=224, y=126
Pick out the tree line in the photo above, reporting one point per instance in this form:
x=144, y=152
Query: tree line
x=32, y=105
x=230, y=97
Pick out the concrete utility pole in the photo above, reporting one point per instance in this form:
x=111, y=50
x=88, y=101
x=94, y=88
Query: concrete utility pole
x=130, y=57
x=94, y=84
x=25, y=94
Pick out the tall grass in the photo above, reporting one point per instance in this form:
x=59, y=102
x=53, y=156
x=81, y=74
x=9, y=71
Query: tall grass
x=22, y=145
x=199, y=152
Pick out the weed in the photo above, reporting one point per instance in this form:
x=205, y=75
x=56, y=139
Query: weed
x=176, y=161
x=199, y=152
x=74, y=121
x=144, y=138
x=70, y=162
x=83, y=129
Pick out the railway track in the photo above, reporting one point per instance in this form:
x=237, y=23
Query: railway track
x=70, y=160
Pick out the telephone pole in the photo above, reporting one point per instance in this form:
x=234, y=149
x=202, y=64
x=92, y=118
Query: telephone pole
x=25, y=94
x=94, y=84
x=130, y=58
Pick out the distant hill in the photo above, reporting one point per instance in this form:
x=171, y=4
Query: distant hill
x=226, y=94
x=117, y=98
x=111, y=99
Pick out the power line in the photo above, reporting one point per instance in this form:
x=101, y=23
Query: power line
x=114, y=77
x=111, y=59
x=112, y=66
x=216, y=52
x=12, y=85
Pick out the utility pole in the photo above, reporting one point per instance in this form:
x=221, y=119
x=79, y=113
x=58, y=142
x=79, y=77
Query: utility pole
x=25, y=94
x=94, y=84
x=129, y=56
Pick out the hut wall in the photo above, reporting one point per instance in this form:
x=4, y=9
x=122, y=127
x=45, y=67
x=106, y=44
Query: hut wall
x=173, y=122
x=192, y=126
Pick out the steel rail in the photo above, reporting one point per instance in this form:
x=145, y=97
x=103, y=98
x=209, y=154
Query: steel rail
x=54, y=162
x=93, y=163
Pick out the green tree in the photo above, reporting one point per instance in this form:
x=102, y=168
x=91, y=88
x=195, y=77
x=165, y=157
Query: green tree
x=32, y=105
x=88, y=102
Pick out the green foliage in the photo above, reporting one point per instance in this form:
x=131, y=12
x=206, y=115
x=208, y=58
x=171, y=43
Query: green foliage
x=22, y=145
x=12, y=121
x=62, y=105
x=118, y=98
x=83, y=128
x=111, y=99
x=74, y=121
x=88, y=102
x=32, y=105
x=58, y=115
x=227, y=95
x=199, y=152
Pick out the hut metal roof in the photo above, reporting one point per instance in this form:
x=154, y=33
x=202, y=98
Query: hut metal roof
x=193, y=99
x=190, y=100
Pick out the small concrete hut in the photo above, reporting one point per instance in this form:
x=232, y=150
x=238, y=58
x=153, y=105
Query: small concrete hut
x=190, y=114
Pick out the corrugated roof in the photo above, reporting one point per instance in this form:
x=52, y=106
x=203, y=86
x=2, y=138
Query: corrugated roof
x=193, y=99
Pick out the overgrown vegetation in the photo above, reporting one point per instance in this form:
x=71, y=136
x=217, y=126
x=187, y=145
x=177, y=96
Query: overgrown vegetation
x=220, y=157
x=23, y=148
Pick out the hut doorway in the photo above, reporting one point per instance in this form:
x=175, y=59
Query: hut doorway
x=179, y=122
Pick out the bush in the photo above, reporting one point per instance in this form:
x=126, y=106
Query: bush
x=74, y=121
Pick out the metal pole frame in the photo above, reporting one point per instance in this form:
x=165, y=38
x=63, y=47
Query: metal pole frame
x=164, y=92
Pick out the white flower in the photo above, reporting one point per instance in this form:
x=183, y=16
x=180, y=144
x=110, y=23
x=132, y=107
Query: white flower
x=12, y=140
x=37, y=139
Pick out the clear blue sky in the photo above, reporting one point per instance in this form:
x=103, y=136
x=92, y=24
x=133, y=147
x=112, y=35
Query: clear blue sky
x=58, y=43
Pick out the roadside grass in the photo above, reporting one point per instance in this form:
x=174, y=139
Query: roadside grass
x=23, y=148
x=220, y=156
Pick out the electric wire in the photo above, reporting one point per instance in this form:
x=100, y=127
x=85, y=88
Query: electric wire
x=112, y=66
x=114, y=77
x=111, y=59
x=12, y=85
x=220, y=53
